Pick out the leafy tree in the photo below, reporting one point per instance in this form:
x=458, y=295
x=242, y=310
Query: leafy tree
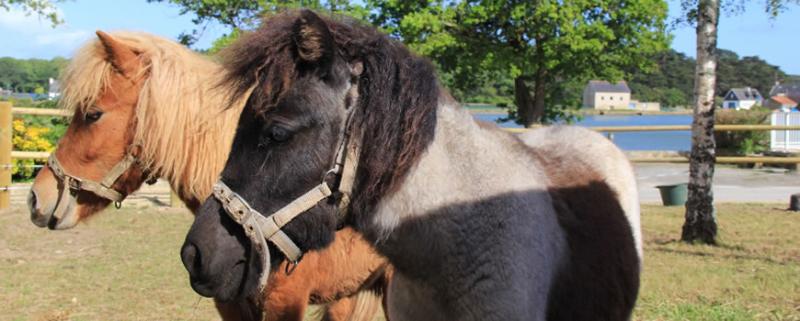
x=245, y=14
x=733, y=72
x=547, y=46
x=25, y=75
x=43, y=8
x=671, y=83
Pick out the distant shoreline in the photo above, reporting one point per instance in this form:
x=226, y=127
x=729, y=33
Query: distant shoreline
x=502, y=111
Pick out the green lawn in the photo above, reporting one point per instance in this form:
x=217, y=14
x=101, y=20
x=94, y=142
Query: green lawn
x=124, y=265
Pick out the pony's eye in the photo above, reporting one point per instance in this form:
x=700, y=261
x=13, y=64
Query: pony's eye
x=279, y=134
x=93, y=115
x=274, y=134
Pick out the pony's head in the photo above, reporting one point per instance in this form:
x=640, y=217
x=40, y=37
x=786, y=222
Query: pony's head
x=138, y=100
x=102, y=86
x=317, y=80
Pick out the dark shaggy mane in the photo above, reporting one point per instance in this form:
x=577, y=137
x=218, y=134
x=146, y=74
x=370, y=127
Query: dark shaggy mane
x=398, y=95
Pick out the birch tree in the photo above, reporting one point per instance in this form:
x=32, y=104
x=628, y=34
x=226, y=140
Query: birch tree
x=700, y=223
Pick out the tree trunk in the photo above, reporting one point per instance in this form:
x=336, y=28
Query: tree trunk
x=538, y=94
x=524, y=102
x=530, y=110
x=701, y=221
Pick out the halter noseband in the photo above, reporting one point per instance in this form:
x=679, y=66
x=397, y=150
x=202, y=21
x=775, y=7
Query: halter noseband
x=261, y=228
x=73, y=184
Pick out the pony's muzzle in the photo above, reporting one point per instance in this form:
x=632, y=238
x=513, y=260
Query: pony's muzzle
x=198, y=278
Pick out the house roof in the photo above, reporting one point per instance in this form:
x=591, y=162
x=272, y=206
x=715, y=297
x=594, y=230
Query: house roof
x=783, y=100
x=606, y=87
x=791, y=90
x=746, y=93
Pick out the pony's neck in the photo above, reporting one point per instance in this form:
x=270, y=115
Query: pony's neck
x=466, y=162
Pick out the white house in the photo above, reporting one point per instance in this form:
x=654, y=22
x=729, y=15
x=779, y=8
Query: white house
x=603, y=95
x=742, y=98
x=54, y=89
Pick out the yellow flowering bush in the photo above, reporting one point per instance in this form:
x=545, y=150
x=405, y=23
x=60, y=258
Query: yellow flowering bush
x=28, y=138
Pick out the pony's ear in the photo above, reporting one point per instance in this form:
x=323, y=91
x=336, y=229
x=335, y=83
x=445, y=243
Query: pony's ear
x=121, y=56
x=313, y=40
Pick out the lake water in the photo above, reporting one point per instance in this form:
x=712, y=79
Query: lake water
x=671, y=140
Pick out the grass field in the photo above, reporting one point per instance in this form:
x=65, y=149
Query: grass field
x=124, y=265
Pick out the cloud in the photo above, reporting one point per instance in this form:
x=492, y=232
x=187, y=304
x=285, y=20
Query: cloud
x=31, y=35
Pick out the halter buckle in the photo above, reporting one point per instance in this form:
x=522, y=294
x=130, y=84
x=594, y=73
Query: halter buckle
x=74, y=183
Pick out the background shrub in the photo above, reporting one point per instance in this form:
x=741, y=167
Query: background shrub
x=742, y=142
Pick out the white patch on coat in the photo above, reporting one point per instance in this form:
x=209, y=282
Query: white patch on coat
x=464, y=163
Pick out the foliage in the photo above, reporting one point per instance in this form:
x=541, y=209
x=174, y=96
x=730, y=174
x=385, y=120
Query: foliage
x=671, y=83
x=245, y=14
x=26, y=75
x=482, y=47
x=43, y=8
x=224, y=41
x=749, y=71
x=542, y=43
x=28, y=138
x=742, y=142
x=35, y=133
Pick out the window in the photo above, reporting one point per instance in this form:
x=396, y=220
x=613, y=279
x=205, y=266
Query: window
x=602, y=98
x=612, y=97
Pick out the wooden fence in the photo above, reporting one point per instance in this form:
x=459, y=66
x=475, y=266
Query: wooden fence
x=7, y=153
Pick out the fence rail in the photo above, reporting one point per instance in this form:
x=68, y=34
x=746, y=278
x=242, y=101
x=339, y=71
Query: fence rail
x=667, y=128
x=7, y=154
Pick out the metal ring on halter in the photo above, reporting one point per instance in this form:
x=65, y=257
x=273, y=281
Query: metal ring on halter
x=290, y=267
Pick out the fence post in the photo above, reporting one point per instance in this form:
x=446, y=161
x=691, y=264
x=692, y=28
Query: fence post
x=6, y=132
x=786, y=122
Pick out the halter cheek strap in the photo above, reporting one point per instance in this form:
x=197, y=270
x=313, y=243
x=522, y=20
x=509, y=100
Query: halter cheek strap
x=73, y=184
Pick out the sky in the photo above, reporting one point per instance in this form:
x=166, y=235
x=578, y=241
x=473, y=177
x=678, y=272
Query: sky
x=748, y=34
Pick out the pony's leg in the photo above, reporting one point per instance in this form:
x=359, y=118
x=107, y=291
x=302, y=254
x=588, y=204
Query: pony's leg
x=238, y=311
x=339, y=310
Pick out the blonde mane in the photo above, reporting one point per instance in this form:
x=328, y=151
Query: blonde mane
x=183, y=122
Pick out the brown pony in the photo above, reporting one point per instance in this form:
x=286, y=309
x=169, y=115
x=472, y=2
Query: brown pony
x=149, y=98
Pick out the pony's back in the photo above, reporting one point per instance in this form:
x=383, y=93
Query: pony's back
x=592, y=149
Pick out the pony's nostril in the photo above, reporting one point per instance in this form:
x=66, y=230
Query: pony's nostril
x=190, y=256
x=37, y=217
x=32, y=201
